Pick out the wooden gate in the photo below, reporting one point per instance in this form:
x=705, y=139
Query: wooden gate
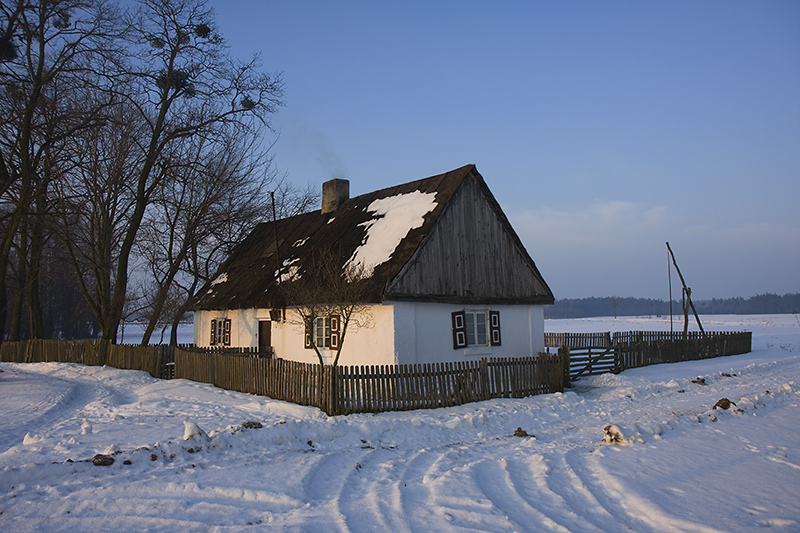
x=590, y=353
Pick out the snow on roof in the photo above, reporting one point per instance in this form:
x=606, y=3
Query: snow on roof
x=289, y=271
x=395, y=217
x=222, y=278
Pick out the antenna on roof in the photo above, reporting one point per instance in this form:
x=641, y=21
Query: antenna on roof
x=687, y=298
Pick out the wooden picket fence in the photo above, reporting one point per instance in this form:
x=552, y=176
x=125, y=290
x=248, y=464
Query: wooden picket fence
x=359, y=389
x=335, y=390
x=642, y=348
x=362, y=389
x=597, y=353
x=152, y=359
x=429, y=386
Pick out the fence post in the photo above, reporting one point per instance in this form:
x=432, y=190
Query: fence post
x=332, y=379
x=563, y=355
x=483, y=373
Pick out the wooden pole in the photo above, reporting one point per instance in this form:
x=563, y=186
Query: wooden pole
x=688, y=292
x=669, y=279
x=275, y=230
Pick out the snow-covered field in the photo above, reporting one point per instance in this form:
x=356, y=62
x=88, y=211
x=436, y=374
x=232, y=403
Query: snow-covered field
x=686, y=466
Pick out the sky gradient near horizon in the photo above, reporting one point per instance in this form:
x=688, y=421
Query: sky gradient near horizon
x=604, y=129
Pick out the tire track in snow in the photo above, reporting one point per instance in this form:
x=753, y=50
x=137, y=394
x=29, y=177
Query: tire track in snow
x=358, y=496
x=325, y=483
x=455, y=501
x=495, y=480
x=371, y=498
x=49, y=408
x=415, y=494
x=551, y=502
x=638, y=508
x=624, y=507
x=399, y=491
x=529, y=477
x=563, y=480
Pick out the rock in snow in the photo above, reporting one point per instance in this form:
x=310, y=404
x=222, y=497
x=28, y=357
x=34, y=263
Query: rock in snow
x=724, y=403
x=102, y=460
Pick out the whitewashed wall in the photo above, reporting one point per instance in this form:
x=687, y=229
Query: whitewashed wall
x=398, y=333
x=370, y=345
x=424, y=332
x=244, y=326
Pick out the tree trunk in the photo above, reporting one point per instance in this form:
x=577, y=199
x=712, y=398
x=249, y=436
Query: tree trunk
x=34, y=273
x=176, y=320
x=17, y=301
x=5, y=253
x=161, y=296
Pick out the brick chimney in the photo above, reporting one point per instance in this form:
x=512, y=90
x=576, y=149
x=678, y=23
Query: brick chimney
x=334, y=193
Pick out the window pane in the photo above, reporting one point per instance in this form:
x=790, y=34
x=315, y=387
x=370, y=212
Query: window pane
x=470, y=320
x=327, y=332
x=319, y=332
x=480, y=328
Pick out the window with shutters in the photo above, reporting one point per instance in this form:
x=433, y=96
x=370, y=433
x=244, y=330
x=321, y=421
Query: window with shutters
x=475, y=328
x=324, y=333
x=220, y=332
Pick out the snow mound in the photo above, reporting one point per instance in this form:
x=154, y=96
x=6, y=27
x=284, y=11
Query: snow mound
x=31, y=438
x=193, y=432
x=613, y=436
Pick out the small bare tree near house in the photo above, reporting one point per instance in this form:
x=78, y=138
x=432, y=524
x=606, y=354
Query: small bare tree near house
x=327, y=296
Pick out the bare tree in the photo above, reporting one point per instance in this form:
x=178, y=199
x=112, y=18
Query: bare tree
x=175, y=84
x=94, y=203
x=211, y=183
x=49, y=52
x=327, y=291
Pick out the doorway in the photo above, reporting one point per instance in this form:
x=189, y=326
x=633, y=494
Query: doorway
x=265, y=337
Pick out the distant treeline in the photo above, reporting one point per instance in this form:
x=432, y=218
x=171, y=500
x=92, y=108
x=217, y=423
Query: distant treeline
x=618, y=306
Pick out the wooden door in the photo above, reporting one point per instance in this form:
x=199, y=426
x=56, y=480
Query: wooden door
x=265, y=336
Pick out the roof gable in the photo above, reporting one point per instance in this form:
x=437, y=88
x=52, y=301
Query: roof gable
x=381, y=229
x=472, y=255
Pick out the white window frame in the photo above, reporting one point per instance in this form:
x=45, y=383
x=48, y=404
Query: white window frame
x=325, y=332
x=477, y=330
x=322, y=332
x=220, y=332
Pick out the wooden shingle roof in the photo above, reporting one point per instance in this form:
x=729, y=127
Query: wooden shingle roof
x=249, y=278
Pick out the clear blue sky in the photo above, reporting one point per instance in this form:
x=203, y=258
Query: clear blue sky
x=604, y=129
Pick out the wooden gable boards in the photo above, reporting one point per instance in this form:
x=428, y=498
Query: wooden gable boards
x=471, y=256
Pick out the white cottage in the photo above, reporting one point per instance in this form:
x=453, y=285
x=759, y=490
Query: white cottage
x=449, y=279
